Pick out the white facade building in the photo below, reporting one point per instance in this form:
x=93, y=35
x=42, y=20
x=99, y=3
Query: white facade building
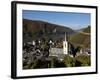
x=33, y=43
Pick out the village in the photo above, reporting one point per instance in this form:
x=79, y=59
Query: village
x=43, y=50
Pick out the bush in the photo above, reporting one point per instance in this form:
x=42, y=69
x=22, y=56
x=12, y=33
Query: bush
x=55, y=63
x=69, y=61
x=78, y=61
x=84, y=60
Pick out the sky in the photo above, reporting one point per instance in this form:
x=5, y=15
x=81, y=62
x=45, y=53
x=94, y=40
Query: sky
x=68, y=19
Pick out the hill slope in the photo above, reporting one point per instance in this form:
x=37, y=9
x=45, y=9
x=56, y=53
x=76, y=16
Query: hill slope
x=82, y=38
x=87, y=30
x=33, y=29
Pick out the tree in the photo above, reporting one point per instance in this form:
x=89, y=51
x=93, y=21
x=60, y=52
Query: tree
x=74, y=50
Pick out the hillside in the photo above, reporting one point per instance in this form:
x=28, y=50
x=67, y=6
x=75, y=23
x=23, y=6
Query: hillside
x=82, y=38
x=33, y=29
x=87, y=30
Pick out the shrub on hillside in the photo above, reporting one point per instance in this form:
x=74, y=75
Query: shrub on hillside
x=85, y=60
x=55, y=63
x=69, y=61
x=78, y=61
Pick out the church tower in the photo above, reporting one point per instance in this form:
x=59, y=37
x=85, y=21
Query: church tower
x=65, y=46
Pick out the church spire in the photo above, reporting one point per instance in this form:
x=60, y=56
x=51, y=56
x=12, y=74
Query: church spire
x=66, y=37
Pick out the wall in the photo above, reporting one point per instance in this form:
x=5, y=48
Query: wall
x=5, y=40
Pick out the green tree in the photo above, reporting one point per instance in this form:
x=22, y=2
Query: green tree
x=74, y=50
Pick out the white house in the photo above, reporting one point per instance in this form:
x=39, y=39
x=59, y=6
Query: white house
x=33, y=42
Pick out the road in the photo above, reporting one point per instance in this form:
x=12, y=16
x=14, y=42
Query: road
x=84, y=33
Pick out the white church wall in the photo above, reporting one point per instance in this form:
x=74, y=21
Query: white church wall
x=65, y=47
